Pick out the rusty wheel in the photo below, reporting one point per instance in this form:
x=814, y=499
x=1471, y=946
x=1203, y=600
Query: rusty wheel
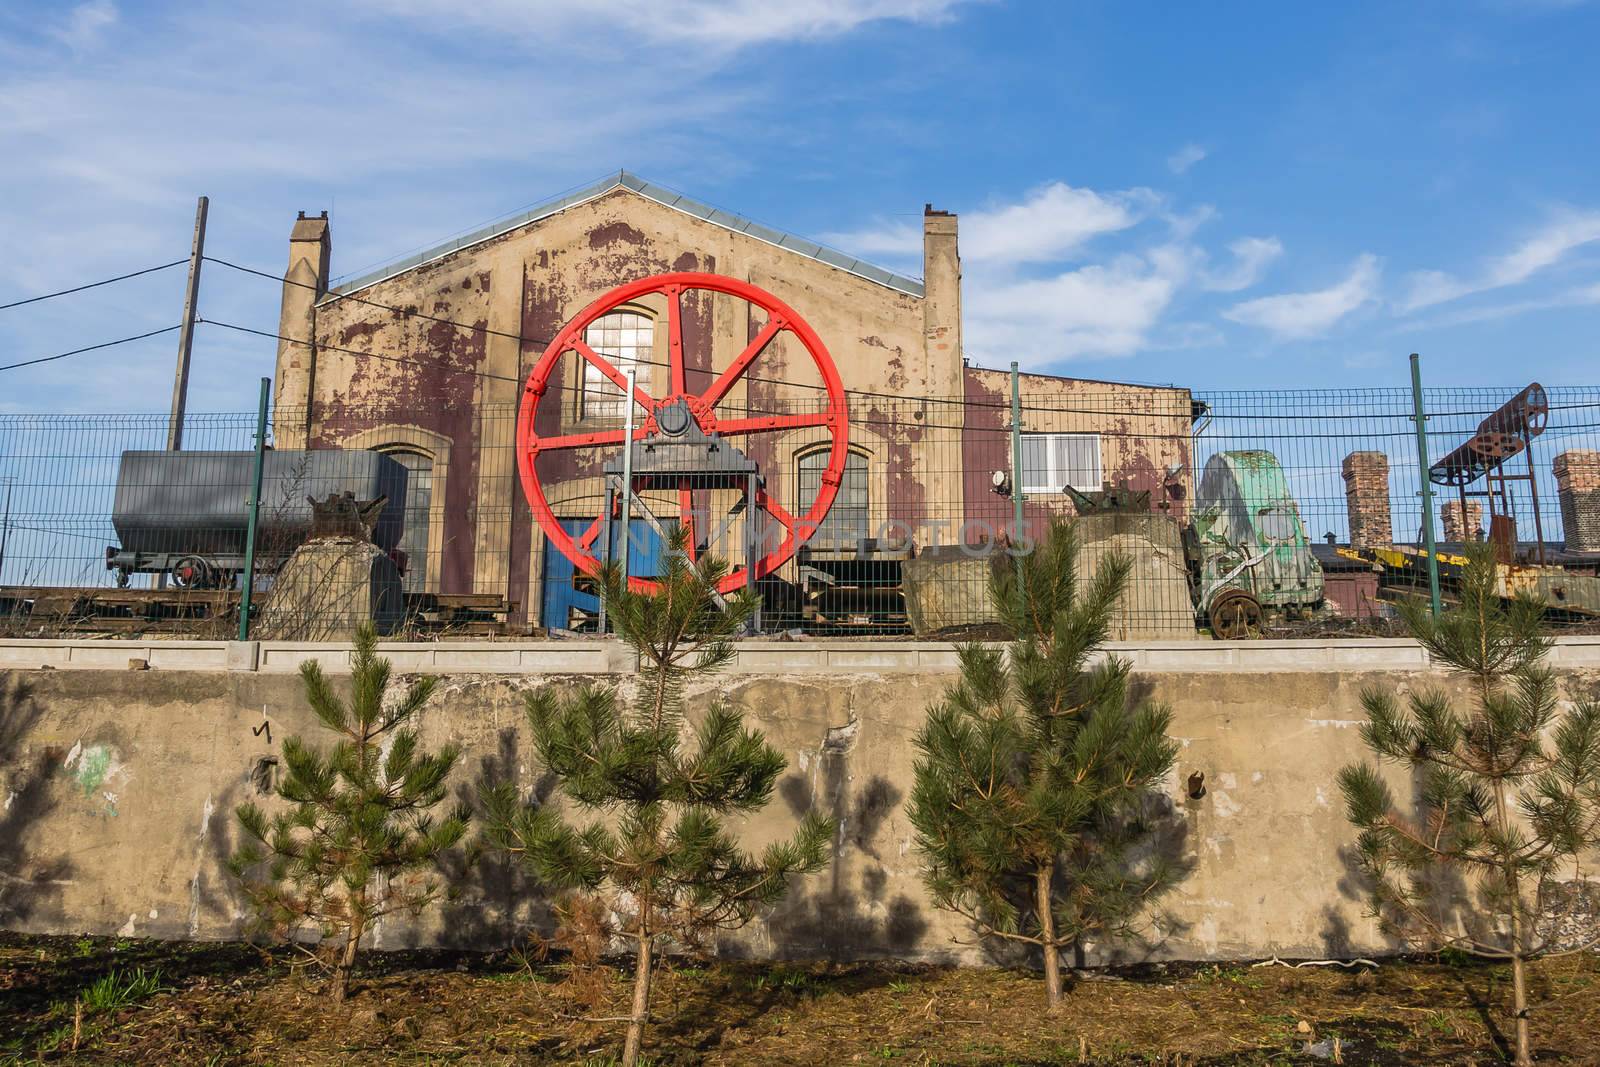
x=1235, y=615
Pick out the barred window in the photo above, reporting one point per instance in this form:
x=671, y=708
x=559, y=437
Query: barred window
x=1051, y=461
x=848, y=520
x=626, y=339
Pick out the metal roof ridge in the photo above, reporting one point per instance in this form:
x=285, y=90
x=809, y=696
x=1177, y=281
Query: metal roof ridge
x=658, y=194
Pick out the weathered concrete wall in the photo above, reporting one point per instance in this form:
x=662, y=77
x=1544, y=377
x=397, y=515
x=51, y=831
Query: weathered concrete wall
x=119, y=789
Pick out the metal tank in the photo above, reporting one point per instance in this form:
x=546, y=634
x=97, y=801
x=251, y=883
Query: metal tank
x=187, y=513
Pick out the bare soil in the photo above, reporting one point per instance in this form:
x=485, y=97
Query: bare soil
x=235, y=1004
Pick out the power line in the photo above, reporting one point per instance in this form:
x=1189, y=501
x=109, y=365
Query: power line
x=91, y=285
x=546, y=342
x=90, y=348
x=963, y=402
x=435, y=365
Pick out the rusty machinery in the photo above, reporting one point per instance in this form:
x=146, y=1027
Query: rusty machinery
x=681, y=437
x=1500, y=437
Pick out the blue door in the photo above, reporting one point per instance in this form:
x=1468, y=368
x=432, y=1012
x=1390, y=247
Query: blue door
x=561, y=592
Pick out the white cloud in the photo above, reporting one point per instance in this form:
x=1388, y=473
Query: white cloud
x=1049, y=224
x=1185, y=157
x=1105, y=309
x=1545, y=248
x=1052, y=222
x=1295, y=316
x=721, y=23
x=1582, y=296
x=1251, y=256
x=85, y=24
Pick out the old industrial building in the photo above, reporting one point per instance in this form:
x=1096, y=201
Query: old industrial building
x=866, y=398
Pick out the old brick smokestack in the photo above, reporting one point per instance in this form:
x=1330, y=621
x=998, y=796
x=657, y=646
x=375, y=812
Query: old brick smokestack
x=1457, y=528
x=305, y=281
x=1578, y=483
x=1366, y=491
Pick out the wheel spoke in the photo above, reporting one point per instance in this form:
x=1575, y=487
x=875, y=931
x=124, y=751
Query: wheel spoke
x=620, y=380
x=776, y=510
x=764, y=423
x=587, y=538
x=686, y=517
x=675, y=339
x=724, y=382
x=580, y=440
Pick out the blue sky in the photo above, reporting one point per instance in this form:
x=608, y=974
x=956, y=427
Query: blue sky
x=1217, y=195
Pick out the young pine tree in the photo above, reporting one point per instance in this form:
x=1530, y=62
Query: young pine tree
x=1034, y=772
x=1508, y=789
x=358, y=841
x=655, y=845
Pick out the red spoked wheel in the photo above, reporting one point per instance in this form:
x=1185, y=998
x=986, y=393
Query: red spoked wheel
x=703, y=406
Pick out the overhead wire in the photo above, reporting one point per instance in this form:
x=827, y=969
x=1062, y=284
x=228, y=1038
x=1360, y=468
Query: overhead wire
x=92, y=285
x=1121, y=412
x=90, y=348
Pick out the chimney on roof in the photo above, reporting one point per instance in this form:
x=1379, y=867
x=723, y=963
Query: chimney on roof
x=1578, y=485
x=1462, y=526
x=304, y=282
x=941, y=304
x=1366, y=490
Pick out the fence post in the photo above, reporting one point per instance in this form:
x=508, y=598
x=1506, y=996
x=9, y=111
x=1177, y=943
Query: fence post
x=1016, y=452
x=255, y=513
x=1420, y=417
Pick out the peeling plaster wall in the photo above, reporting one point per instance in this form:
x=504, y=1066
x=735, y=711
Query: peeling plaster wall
x=1144, y=433
x=119, y=790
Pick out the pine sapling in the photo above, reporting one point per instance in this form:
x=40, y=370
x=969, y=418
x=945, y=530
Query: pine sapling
x=655, y=844
x=1036, y=772
x=1508, y=790
x=359, y=840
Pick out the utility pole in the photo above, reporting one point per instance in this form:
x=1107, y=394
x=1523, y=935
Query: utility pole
x=191, y=297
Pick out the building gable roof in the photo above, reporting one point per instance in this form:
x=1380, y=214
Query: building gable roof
x=660, y=195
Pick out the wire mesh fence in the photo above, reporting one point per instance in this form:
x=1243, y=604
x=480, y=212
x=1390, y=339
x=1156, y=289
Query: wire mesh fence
x=1244, y=513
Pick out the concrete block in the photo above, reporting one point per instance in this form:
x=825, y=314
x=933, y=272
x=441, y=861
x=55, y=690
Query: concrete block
x=781, y=659
x=243, y=655
x=884, y=657
x=103, y=655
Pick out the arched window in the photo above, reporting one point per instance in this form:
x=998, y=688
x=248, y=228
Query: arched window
x=626, y=339
x=418, y=515
x=848, y=521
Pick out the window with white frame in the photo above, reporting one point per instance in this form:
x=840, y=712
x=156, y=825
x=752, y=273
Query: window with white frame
x=848, y=520
x=626, y=339
x=1051, y=461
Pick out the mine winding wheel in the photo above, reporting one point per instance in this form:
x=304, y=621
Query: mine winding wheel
x=664, y=416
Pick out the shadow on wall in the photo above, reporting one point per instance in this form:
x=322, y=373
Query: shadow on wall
x=493, y=901
x=850, y=914
x=30, y=884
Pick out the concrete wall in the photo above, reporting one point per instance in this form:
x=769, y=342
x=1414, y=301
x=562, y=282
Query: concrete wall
x=119, y=785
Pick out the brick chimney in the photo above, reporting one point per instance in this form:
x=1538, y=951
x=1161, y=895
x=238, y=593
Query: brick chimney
x=305, y=281
x=941, y=305
x=1366, y=491
x=1578, y=484
x=1462, y=528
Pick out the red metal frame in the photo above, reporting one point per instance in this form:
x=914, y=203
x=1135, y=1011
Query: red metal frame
x=780, y=318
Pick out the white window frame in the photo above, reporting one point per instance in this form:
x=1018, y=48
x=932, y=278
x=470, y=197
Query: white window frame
x=608, y=407
x=1058, y=478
